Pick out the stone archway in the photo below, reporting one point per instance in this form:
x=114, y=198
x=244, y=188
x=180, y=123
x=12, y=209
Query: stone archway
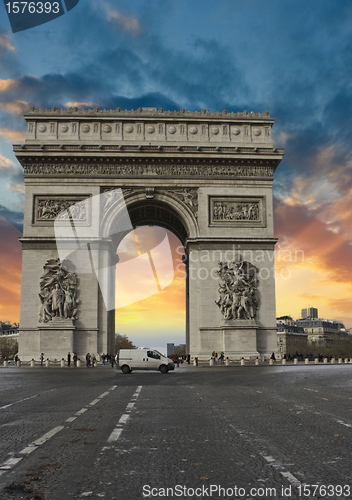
x=205, y=176
x=153, y=207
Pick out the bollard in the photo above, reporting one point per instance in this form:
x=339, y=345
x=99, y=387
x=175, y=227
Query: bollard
x=5, y=363
x=283, y=361
x=78, y=363
x=32, y=363
x=62, y=363
x=332, y=360
x=256, y=362
x=325, y=360
x=346, y=360
x=227, y=362
x=271, y=362
x=47, y=363
x=316, y=361
x=295, y=361
x=19, y=363
x=242, y=362
x=212, y=362
x=340, y=360
x=194, y=362
x=306, y=361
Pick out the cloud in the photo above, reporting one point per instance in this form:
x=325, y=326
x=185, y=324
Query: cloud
x=10, y=217
x=5, y=42
x=80, y=104
x=13, y=135
x=5, y=163
x=299, y=228
x=10, y=84
x=120, y=20
x=17, y=188
x=16, y=107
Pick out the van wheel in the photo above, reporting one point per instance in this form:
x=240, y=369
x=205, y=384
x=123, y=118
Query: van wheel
x=126, y=369
x=164, y=369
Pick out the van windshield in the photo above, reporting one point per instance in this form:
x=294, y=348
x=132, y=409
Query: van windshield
x=154, y=354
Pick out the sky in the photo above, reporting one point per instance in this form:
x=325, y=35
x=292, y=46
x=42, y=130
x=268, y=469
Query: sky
x=292, y=58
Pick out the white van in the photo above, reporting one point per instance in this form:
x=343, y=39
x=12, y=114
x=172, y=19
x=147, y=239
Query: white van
x=143, y=359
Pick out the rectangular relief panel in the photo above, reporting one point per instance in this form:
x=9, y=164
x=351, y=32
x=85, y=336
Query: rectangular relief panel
x=237, y=211
x=75, y=208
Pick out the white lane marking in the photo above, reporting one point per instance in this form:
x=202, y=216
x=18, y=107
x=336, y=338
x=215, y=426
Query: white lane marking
x=48, y=435
x=94, y=402
x=312, y=390
x=81, y=411
x=124, y=419
x=25, y=399
x=103, y=395
x=70, y=419
x=10, y=463
x=28, y=450
x=290, y=477
x=114, y=436
x=343, y=423
x=269, y=459
x=86, y=494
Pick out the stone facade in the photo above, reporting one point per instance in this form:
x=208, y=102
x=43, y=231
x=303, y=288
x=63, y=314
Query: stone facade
x=205, y=176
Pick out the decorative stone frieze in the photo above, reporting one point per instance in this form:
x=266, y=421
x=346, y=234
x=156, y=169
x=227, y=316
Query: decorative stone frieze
x=60, y=208
x=238, y=290
x=58, y=291
x=237, y=211
x=146, y=169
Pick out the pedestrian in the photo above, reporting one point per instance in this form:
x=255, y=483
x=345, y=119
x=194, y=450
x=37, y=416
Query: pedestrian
x=273, y=357
x=112, y=358
x=94, y=360
x=177, y=361
x=104, y=359
x=221, y=358
x=69, y=359
x=41, y=359
x=188, y=358
x=75, y=357
x=88, y=358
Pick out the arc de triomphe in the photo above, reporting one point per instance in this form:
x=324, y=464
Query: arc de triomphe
x=206, y=176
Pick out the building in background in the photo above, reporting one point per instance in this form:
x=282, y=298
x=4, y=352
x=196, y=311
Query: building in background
x=179, y=350
x=8, y=330
x=310, y=312
x=290, y=337
x=321, y=330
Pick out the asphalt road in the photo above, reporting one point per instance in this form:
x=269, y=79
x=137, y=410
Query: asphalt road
x=199, y=432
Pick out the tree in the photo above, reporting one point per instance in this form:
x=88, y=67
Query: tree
x=123, y=342
x=8, y=347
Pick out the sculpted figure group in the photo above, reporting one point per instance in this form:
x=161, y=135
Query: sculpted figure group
x=58, y=292
x=235, y=211
x=238, y=291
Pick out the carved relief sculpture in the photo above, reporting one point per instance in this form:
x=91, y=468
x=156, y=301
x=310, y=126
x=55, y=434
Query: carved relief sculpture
x=235, y=211
x=238, y=291
x=190, y=198
x=147, y=169
x=58, y=290
x=60, y=209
